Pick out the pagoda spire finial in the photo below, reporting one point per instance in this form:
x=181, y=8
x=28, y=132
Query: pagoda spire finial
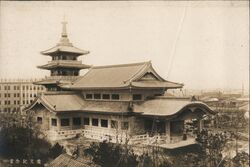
x=64, y=36
x=64, y=30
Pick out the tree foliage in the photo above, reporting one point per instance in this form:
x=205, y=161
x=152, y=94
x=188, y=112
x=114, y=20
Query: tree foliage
x=111, y=155
x=241, y=159
x=20, y=138
x=56, y=150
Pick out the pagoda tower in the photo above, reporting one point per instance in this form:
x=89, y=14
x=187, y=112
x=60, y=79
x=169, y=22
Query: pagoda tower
x=64, y=67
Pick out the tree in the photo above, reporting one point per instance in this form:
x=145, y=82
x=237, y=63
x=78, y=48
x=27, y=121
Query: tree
x=212, y=146
x=241, y=159
x=111, y=155
x=56, y=150
x=15, y=142
x=20, y=138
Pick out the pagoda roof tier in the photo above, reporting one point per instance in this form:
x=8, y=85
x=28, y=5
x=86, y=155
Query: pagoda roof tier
x=137, y=75
x=57, y=80
x=68, y=48
x=64, y=64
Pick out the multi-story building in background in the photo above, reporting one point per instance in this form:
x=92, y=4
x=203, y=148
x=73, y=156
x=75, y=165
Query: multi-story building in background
x=15, y=93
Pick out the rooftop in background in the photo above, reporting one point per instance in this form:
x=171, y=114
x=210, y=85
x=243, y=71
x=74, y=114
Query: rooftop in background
x=65, y=160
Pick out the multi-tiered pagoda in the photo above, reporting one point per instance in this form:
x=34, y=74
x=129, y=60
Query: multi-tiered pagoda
x=64, y=67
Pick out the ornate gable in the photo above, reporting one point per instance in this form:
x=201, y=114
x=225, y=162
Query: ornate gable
x=148, y=77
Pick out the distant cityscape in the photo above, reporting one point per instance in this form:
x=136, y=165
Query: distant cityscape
x=18, y=93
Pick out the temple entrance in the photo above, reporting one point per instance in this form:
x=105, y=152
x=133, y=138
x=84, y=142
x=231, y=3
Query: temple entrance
x=153, y=126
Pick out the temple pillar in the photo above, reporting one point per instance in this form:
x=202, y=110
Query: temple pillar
x=200, y=125
x=167, y=124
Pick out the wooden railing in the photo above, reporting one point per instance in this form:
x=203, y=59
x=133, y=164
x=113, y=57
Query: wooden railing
x=114, y=137
x=62, y=77
x=65, y=61
x=146, y=139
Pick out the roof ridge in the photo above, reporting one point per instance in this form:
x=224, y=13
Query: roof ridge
x=118, y=65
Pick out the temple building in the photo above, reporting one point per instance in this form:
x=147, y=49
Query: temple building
x=119, y=103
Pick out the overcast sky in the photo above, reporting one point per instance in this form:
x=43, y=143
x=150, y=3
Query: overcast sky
x=204, y=45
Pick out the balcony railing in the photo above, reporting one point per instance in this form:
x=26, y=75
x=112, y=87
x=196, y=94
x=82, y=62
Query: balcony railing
x=65, y=62
x=145, y=139
x=61, y=77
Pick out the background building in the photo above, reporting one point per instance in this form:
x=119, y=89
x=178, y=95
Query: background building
x=15, y=93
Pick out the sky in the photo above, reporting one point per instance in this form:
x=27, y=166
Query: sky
x=204, y=45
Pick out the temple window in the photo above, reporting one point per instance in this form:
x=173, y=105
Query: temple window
x=64, y=73
x=77, y=121
x=39, y=120
x=89, y=96
x=75, y=73
x=124, y=125
x=65, y=122
x=114, y=124
x=54, y=122
x=137, y=97
x=86, y=121
x=97, y=96
x=106, y=96
x=95, y=122
x=115, y=96
x=104, y=123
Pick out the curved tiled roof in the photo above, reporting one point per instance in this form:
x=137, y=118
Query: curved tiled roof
x=168, y=106
x=65, y=160
x=64, y=48
x=64, y=65
x=57, y=80
x=70, y=102
x=120, y=76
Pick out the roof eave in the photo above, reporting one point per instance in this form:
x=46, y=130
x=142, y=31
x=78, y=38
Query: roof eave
x=49, y=53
